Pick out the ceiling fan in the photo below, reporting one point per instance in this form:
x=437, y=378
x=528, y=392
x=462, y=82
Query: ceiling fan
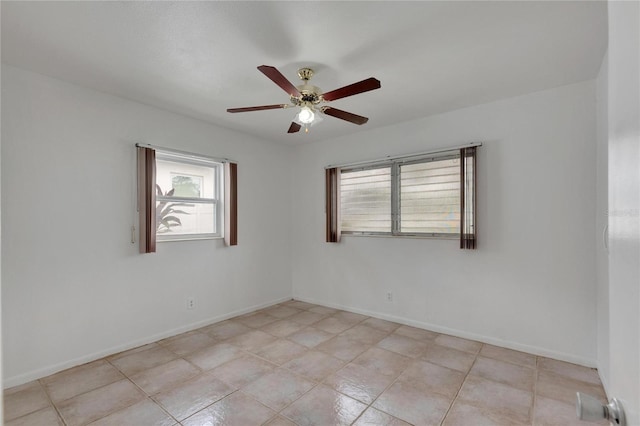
x=308, y=98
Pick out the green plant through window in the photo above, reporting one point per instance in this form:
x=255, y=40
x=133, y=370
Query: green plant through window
x=166, y=212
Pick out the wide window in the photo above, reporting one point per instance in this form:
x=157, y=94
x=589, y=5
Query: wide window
x=188, y=197
x=426, y=195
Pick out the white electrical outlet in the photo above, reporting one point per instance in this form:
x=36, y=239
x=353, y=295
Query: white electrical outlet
x=389, y=297
x=191, y=303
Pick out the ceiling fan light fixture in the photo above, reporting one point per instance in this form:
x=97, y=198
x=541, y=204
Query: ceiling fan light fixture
x=306, y=115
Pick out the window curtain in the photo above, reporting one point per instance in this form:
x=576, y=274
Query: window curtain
x=468, y=239
x=231, y=204
x=147, y=199
x=332, y=204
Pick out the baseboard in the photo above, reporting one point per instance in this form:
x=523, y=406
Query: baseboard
x=535, y=350
x=46, y=371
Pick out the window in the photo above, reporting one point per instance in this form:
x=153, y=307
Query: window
x=420, y=195
x=188, y=197
x=184, y=196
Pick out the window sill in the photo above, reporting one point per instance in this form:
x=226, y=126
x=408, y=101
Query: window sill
x=188, y=239
x=416, y=236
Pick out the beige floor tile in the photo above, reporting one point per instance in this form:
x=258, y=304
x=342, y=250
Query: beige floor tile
x=310, y=337
x=365, y=334
x=282, y=328
x=433, y=378
x=242, y=371
x=137, y=361
x=236, y=409
x=549, y=412
x=403, y=345
x=373, y=417
x=99, y=403
x=225, y=330
x=359, y=382
x=255, y=339
x=214, y=356
x=416, y=333
x=504, y=372
x=324, y=406
x=145, y=412
x=77, y=380
x=281, y=351
x=256, y=320
x=505, y=401
x=164, y=377
x=342, y=348
x=350, y=317
x=193, y=395
x=314, y=365
x=44, y=417
x=508, y=355
x=24, y=399
x=280, y=311
x=322, y=310
x=572, y=371
x=383, y=361
x=458, y=343
x=187, y=343
x=462, y=414
x=280, y=421
x=447, y=357
x=413, y=405
x=555, y=386
x=381, y=324
x=278, y=389
x=306, y=317
x=332, y=325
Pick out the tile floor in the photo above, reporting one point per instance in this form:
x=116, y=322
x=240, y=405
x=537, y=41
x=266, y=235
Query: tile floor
x=301, y=364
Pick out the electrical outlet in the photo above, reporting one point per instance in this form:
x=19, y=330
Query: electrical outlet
x=389, y=297
x=191, y=303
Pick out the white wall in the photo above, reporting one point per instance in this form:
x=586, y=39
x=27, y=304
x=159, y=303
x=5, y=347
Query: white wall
x=530, y=285
x=624, y=205
x=74, y=288
x=601, y=231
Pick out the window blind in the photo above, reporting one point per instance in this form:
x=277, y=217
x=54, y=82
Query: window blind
x=365, y=200
x=430, y=197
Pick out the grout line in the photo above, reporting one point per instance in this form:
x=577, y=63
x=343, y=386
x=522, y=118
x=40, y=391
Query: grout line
x=535, y=393
x=44, y=388
x=455, y=398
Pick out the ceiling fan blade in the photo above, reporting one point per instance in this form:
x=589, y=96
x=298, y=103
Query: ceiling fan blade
x=295, y=127
x=352, y=89
x=344, y=115
x=257, y=108
x=279, y=79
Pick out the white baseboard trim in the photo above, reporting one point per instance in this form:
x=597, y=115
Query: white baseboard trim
x=51, y=369
x=535, y=350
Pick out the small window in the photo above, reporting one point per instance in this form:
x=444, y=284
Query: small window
x=188, y=197
x=420, y=195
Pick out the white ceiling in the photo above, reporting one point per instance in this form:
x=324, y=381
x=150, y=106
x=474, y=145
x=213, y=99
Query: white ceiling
x=200, y=58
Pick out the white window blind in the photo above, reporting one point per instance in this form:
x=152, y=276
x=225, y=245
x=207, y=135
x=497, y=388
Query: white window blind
x=365, y=200
x=430, y=197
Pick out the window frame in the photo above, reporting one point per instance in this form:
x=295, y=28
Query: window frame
x=217, y=201
x=396, y=212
